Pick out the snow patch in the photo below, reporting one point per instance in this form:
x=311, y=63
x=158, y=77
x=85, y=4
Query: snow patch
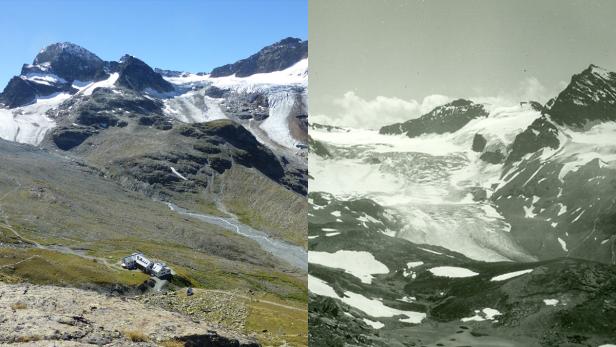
x=357, y=263
x=29, y=124
x=485, y=314
x=452, y=272
x=42, y=78
x=550, y=302
x=528, y=211
x=430, y=251
x=108, y=83
x=578, y=217
x=372, y=307
x=510, y=275
x=408, y=299
x=413, y=264
x=175, y=172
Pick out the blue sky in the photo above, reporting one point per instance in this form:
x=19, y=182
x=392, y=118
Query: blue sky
x=180, y=35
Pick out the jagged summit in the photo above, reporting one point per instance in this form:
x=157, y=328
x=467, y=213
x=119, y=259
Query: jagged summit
x=62, y=67
x=68, y=61
x=590, y=96
x=126, y=57
x=598, y=69
x=275, y=57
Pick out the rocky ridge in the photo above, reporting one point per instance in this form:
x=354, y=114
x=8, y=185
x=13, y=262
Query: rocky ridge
x=446, y=118
x=277, y=56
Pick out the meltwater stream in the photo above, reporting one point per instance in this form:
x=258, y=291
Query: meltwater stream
x=294, y=255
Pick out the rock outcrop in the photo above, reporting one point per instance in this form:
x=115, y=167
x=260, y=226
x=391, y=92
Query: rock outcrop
x=48, y=315
x=137, y=75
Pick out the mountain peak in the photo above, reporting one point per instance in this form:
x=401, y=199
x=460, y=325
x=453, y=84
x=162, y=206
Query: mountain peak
x=54, y=51
x=127, y=57
x=275, y=57
x=137, y=75
x=601, y=72
x=442, y=119
x=590, y=96
x=68, y=61
x=289, y=40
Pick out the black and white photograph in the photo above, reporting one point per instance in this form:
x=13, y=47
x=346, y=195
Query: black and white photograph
x=462, y=173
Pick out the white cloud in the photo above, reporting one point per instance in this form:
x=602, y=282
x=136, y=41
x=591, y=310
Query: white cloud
x=432, y=101
x=532, y=89
x=529, y=89
x=355, y=111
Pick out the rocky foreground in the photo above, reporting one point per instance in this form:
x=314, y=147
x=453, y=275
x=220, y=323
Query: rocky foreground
x=58, y=316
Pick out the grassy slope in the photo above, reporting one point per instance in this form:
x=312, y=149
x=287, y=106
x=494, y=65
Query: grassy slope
x=265, y=205
x=254, y=198
x=275, y=325
x=49, y=267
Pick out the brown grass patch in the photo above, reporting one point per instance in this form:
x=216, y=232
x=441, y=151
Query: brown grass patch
x=173, y=343
x=19, y=306
x=23, y=339
x=136, y=336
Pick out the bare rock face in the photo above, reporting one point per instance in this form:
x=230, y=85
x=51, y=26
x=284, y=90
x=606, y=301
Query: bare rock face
x=589, y=97
x=49, y=315
x=137, y=75
x=540, y=134
x=276, y=57
x=442, y=119
x=68, y=61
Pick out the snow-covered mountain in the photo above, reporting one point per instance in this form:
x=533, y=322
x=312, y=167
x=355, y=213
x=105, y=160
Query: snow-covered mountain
x=465, y=216
x=266, y=92
x=175, y=135
x=279, y=56
x=273, y=105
